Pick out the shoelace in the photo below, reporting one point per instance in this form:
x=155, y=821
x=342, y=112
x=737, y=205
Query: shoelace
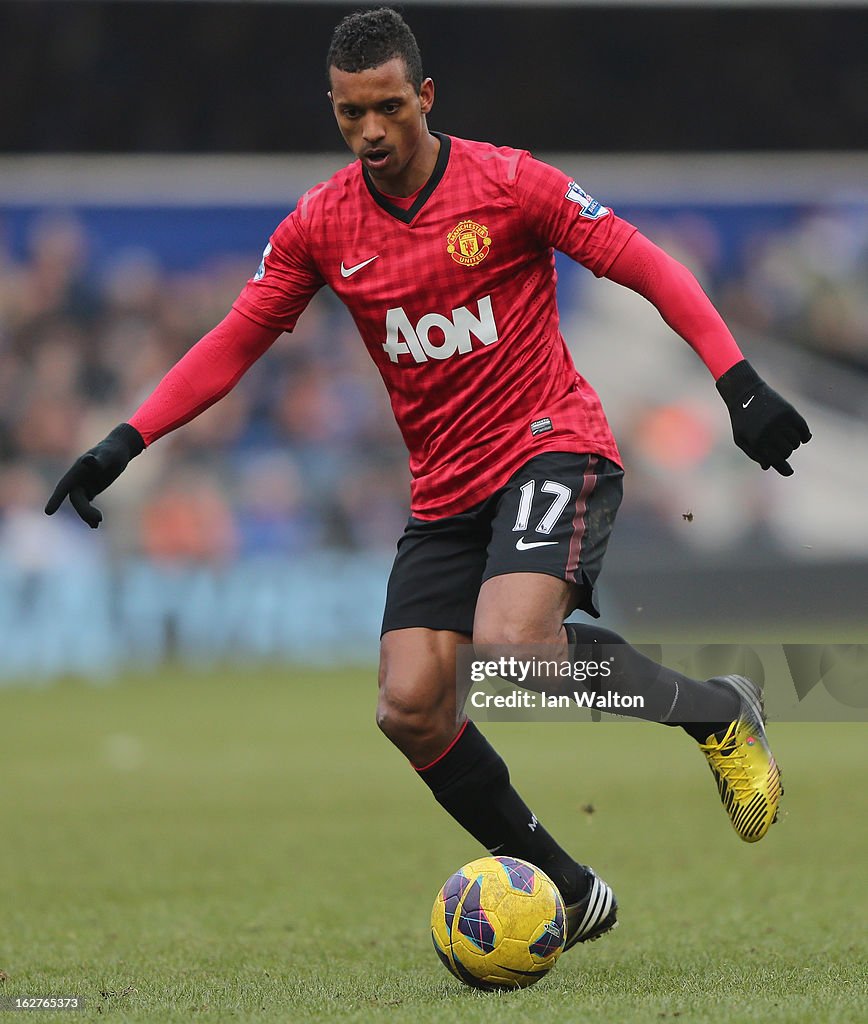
x=732, y=765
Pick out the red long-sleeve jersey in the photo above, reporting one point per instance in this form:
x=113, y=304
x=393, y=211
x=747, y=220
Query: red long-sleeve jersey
x=454, y=298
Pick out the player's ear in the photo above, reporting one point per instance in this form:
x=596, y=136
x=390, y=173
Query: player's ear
x=426, y=95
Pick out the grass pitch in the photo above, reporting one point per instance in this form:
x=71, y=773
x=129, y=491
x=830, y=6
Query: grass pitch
x=247, y=847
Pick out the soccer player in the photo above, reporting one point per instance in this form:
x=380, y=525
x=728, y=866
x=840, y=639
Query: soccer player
x=442, y=249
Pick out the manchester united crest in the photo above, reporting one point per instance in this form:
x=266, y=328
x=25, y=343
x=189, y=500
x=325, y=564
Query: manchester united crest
x=468, y=243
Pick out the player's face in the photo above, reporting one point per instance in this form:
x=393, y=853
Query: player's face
x=382, y=120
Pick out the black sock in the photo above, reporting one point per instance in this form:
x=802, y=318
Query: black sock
x=699, y=707
x=470, y=780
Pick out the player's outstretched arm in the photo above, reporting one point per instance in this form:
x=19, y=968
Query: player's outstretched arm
x=764, y=425
x=211, y=368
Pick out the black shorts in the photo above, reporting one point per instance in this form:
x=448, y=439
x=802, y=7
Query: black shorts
x=554, y=516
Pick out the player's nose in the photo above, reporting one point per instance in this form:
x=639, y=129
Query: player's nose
x=373, y=129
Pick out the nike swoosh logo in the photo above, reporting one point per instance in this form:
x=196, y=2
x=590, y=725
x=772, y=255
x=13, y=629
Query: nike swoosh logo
x=522, y=545
x=744, y=405
x=349, y=271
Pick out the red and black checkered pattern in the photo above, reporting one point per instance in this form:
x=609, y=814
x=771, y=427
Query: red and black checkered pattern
x=464, y=391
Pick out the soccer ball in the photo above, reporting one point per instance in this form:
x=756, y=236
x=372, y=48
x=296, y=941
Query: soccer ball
x=499, y=922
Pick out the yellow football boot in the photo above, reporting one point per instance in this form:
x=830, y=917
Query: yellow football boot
x=748, y=778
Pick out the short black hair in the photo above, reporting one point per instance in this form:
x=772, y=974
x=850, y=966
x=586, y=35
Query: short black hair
x=367, y=39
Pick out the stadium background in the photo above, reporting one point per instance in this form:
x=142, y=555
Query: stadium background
x=148, y=153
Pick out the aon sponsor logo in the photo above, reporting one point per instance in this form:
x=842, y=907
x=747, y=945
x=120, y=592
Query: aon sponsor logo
x=436, y=336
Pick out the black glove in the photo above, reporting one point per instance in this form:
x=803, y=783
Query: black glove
x=92, y=472
x=764, y=425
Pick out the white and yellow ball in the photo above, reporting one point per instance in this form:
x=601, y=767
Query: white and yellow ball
x=499, y=922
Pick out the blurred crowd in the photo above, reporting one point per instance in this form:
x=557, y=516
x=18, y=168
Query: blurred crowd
x=809, y=285
x=304, y=453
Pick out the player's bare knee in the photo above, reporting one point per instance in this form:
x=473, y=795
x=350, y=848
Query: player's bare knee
x=417, y=700
x=414, y=722
x=400, y=715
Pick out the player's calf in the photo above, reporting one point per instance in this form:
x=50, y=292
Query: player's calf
x=658, y=693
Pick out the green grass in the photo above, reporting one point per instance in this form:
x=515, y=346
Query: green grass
x=247, y=847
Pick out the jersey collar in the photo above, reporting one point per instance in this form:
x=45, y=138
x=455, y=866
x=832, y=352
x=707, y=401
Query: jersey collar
x=439, y=170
